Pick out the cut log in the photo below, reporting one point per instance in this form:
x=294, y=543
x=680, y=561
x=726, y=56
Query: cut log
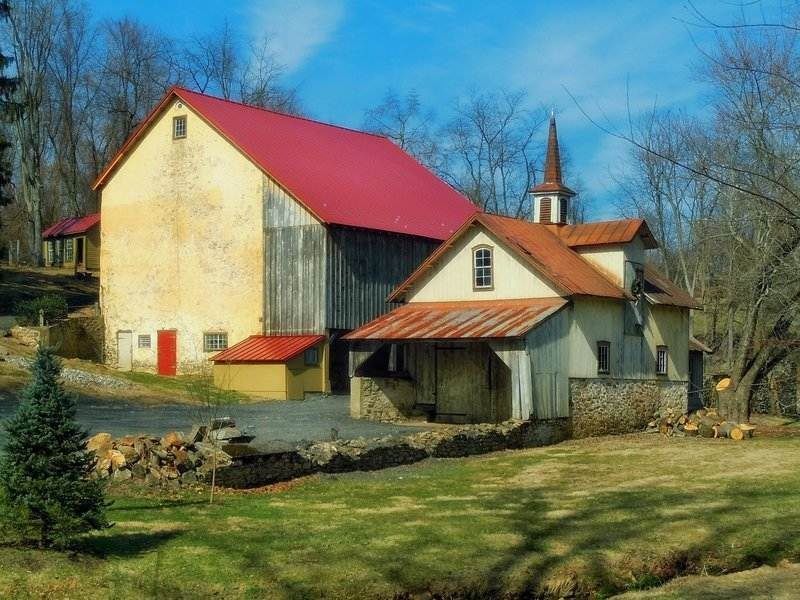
x=747, y=429
x=723, y=384
x=665, y=428
x=706, y=427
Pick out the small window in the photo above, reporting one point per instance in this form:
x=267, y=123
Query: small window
x=662, y=360
x=178, y=128
x=311, y=357
x=51, y=252
x=603, y=358
x=144, y=341
x=68, y=250
x=483, y=278
x=215, y=341
x=563, y=204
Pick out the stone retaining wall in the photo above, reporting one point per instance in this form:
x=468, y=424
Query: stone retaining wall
x=75, y=337
x=388, y=399
x=256, y=467
x=610, y=406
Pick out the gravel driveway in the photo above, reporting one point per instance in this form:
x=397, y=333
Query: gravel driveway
x=291, y=421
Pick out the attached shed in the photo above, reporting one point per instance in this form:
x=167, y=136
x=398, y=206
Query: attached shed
x=274, y=367
x=74, y=244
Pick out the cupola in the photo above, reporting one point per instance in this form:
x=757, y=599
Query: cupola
x=551, y=198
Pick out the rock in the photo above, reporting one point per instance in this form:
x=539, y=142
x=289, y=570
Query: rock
x=103, y=466
x=117, y=459
x=142, y=446
x=172, y=439
x=130, y=454
x=169, y=472
x=122, y=474
x=173, y=484
x=139, y=470
x=197, y=434
x=127, y=440
x=99, y=443
x=159, y=452
x=155, y=461
x=189, y=478
x=221, y=422
x=181, y=460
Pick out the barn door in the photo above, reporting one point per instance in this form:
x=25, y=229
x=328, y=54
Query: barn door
x=124, y=350
x=462, y=391
x=167, y=352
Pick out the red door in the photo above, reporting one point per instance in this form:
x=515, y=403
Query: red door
x=167, y=351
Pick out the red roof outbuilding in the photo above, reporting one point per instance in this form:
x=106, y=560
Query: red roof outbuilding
x=71, y=226
x=268, y=348
x=342, y=176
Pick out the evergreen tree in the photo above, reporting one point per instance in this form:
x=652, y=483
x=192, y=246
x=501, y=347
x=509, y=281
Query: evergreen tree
x=45, y=468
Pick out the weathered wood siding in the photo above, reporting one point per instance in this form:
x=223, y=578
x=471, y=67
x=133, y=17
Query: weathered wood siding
x=548, y=348
x=295, y=248
x=363, y=267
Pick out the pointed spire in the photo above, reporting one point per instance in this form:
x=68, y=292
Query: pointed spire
x=552, y=180
x=552, y=163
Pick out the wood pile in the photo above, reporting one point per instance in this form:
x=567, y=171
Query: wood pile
x=704, y=423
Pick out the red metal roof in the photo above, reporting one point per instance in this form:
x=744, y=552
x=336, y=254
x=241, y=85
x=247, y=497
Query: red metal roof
x=342, y=176
x=541, y=248
x=268, y=348
x=606, y=232
x=480, y=319
x=71, y=226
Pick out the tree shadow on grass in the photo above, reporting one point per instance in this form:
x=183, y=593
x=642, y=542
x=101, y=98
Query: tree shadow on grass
x=123, y=544
x=160, y=505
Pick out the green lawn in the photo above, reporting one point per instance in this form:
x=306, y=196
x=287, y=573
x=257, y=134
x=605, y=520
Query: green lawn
x=592, y=516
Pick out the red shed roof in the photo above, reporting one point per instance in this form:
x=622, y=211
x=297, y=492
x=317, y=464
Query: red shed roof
x=71, y=226
x=268, y=348
x=342, y=176
x=478, y=319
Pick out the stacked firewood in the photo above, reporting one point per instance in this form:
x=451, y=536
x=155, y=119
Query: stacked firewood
x=704, y=423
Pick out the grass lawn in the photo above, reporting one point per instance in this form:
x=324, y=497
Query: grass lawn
x=593, y=516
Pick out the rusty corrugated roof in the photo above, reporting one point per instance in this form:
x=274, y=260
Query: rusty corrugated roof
x=603, y=233
x=480, y=319
x=71, y=226
x=268, y=348
x=660, y=290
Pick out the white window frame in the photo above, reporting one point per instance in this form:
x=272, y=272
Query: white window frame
x=51, y=252
x=603, y=346
x=482, y=270
x=214, y=341
x=144, y=340
x=179, y=127
x=69, y=250
x=662, y=360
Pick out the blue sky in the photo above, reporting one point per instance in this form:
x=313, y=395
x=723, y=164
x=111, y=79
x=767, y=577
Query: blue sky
x=344, y=54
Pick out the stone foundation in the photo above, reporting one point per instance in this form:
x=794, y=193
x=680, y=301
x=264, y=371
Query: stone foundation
x=609, y=406
x=388, y=399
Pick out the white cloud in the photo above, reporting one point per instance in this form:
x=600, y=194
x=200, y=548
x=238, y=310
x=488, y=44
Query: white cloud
x=297, y=28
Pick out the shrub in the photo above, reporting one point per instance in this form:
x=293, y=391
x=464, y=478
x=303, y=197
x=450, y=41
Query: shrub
x=54, y=307
x=45, y=470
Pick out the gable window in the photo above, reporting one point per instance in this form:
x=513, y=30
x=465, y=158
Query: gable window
x=482, y=268
x=311, y=357
x=68, y=250
x=662, y=360
x=213, y=341
x=144, y=341
x=603, y=358
x=178, y=128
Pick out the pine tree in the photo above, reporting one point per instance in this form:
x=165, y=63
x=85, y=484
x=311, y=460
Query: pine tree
x=45, y=468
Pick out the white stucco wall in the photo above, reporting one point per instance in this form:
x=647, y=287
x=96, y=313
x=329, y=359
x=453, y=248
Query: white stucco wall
x=182, y=242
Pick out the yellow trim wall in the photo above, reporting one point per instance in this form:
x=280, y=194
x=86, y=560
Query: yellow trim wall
x=275, y=381
x=182, y=242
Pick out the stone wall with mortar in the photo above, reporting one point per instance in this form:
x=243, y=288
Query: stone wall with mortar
x=387, y=399
x=75, y=337
x=264, y=466
x=609, y=406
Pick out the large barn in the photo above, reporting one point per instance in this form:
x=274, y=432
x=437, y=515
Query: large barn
x=223, y=222
x=540, y=318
